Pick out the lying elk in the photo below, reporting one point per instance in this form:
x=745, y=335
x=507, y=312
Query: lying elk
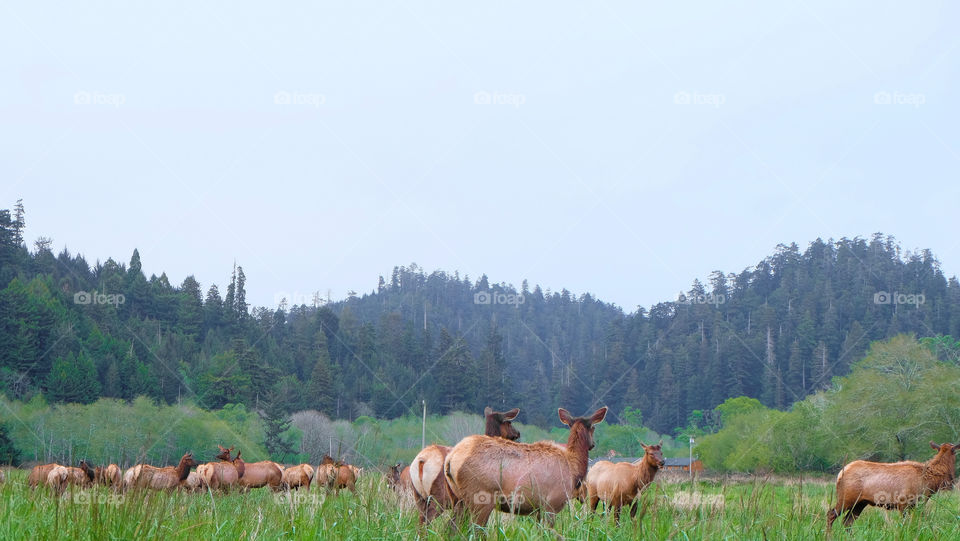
x=258, y=474
x=335, y=475
x=620, y=484
x=487, y=473
x=147, y=476
x=897, y=485
x=429, y=485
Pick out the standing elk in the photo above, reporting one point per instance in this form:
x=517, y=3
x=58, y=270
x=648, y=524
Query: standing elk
x=258, y=474
x=108, y=476
x=221, y=475
x=38, y=475
x=147, y=476
x=400, y=481
x=298, y=476
x=60, y=476
x=429, y=485
x=335, y=475
x=486, y=473
x=620, y=484
x=897, y=485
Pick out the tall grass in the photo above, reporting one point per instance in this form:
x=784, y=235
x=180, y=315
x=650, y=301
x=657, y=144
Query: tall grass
x=671, y=509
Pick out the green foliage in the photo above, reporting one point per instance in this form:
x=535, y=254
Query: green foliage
x=8, y=453
x=896, y=399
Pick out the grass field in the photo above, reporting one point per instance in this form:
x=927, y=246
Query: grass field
x=731, y=509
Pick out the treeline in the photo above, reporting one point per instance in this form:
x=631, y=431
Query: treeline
x=777, y=331
x=127, y=433
x=897, y=399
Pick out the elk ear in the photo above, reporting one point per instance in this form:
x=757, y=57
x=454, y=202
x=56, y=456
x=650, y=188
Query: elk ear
x=598, y=415
x=660, y=443
x=565, y=416
x=512, y=414
x=934, y=445
x=487, y=411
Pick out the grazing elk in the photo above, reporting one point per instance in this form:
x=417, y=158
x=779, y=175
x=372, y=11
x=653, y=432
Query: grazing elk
x=193, y=482
x=429, y=484
x=335, y=475
x=487, y=473
x=897, y=485
x=60, y=476
x=620, y=484
x=147, y=476
x=398, y=478
x=258, y=474
x=38, y=475
x=297, y=476
x=108, y=476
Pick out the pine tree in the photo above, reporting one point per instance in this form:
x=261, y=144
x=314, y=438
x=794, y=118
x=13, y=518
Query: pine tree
x=320, y=394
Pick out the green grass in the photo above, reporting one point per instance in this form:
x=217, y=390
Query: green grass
x=759, y=509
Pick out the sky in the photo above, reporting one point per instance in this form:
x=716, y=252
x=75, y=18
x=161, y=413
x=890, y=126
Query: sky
x=617, y=148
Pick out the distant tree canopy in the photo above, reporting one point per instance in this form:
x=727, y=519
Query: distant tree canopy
x=774, y=332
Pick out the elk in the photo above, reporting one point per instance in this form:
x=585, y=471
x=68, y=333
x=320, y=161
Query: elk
x=223, y=474
x=620, y=484
x=400, y=481
x=429, y=485
x=897, y=485
x=60, y=476
x=147, y=476
x=192, y=483
x=486, y=473
x=297, y=476
x=108, y=476
x=258, y=474
x=336, y=475
x=38, y=475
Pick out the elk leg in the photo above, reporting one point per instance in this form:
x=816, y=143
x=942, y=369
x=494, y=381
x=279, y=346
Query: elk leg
x=633, y=509
x=594, y=500
x=852, y=514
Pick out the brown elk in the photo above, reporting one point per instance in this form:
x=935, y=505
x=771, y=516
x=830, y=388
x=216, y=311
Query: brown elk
x=147, y=476
x=38, y=475
x=258, y=474
x=298, y=476
x=897, y=485
x=429, y=484
x=224, y=474
x=398, y=478
x=487, y=473
x=192, y=483
x=619, y=484
x=335, y=475
x=60, y=476
x=108, y=476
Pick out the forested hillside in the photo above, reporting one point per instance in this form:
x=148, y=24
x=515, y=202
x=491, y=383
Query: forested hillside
x=775, y=331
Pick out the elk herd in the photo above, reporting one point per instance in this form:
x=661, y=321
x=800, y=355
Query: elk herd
x=495, y=472
x=225, y=473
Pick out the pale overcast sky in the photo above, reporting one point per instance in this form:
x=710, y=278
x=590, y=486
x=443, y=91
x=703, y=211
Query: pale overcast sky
x=620, y=148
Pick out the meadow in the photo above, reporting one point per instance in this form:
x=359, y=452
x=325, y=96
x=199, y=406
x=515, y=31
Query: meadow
x=728, y=508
